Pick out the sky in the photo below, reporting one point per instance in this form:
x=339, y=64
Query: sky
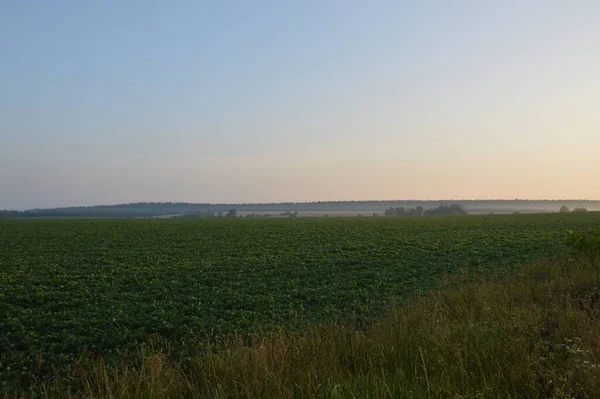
x=109, y=102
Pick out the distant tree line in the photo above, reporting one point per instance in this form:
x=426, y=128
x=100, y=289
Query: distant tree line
x=152, y=209
x=441, y=210
x=565, y=209
x=33, y=213
x=401, y=211
x=258, y=215
x=232, y=213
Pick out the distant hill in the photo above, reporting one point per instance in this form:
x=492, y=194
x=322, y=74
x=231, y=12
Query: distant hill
x=154, y=209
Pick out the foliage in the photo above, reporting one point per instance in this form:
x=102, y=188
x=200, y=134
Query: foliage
x=442, y=210
x=401, y=212
x=232, y=213
x=587, y=242
x=533, y=334
x=149, y=209
x=106, y=287
x=452, y=209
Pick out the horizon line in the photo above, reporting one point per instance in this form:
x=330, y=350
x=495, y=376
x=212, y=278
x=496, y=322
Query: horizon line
x=305, y=202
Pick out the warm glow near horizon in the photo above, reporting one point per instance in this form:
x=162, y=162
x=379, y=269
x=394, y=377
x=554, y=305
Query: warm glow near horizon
x=298, y=101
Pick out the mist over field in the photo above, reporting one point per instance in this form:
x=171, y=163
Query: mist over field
x=304, y=209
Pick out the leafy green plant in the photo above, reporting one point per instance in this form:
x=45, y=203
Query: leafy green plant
x=530, y=334
x=72, y=290
x=587, y=242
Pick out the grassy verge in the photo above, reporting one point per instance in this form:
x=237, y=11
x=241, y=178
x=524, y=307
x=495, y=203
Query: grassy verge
x=533, y=334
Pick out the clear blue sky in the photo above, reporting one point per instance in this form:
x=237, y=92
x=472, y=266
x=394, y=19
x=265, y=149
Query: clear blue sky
x=228, y=101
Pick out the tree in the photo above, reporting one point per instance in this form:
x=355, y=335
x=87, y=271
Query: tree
x=456, y=209
x=232, y=213
x=579, y=210
x=452, y=209
x=564, y=209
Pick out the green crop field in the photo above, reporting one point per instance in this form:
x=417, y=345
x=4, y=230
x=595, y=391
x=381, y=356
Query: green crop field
x=104, y=286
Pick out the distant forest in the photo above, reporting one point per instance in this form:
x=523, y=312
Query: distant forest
x=154, y=209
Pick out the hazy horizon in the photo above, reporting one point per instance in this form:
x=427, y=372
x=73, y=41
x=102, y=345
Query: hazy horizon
x=534, y=202
x=234, y=102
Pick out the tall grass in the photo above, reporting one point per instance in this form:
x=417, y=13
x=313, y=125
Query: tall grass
x=534, y=334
